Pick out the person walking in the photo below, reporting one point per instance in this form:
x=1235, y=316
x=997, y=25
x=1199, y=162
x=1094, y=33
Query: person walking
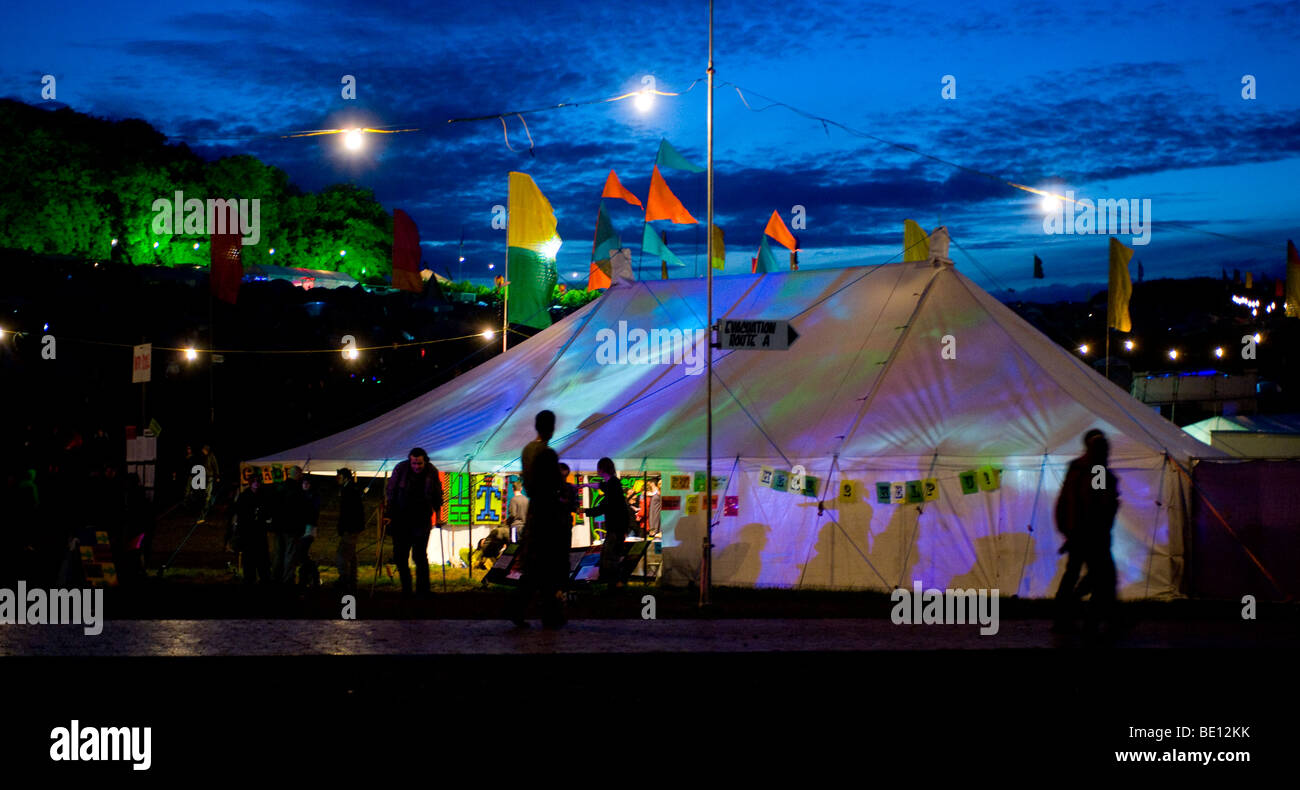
x=352, y=520
x=613, y=506
x=414, y=500
x=212, y=476
x=248, y=532
x=1085, y=515
x=544, y=551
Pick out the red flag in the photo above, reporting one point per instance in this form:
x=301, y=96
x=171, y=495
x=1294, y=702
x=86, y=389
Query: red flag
x=615, y=189
x=663, y=204
x=598, y=276
x=406, y=253
x=776, y=229
x=226, y=268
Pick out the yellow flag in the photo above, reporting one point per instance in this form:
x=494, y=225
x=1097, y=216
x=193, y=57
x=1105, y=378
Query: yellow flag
x=719, y=249
x=1120, y=287
x=916, y=245
x=531, y=221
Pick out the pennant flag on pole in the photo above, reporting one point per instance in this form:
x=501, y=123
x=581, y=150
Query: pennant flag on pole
x=916, y=246
x=226, y=265
x=1038, y=268
x=765, y=263
x=604, y=243
x=406, y=253
x=652, y=245
x=531, y=243
x=615, y=189
x=1292, y=297
x=663, y=204
x=668, y=157
x=719, y=249
x=776, y=229
x=1120, y=287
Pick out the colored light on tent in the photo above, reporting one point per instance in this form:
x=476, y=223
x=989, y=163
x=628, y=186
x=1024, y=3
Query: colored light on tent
x=1173, y=353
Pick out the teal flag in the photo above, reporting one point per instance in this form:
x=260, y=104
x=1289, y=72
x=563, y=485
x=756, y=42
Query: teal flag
x=654, y=246
x=766, y=260
x=668, y=157
x=607, y=239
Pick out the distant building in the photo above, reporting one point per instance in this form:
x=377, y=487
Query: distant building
x=1260, y=436
x=1197, y=392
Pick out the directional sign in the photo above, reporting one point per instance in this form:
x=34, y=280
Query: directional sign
x=757, y=335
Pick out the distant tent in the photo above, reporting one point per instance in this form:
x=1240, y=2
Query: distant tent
x=865, y=401
x=303, y=278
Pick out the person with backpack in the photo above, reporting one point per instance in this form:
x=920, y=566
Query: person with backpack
x=1085, y=515
x=352, y=521
x=618, y=518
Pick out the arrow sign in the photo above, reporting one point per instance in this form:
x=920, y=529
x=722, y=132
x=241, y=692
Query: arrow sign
x=755, y=334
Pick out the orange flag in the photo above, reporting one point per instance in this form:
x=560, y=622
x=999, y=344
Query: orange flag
x=615, y=189
x=776, y=229
x=663, y=204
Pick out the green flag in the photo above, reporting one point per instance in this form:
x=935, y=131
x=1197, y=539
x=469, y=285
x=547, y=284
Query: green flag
x=766, y=261
x=653, y=246
x=531, y=245
x=607, y=239
x=668, y=157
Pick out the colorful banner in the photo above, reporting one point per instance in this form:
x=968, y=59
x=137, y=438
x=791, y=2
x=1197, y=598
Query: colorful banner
x=930, y=489
x=968, y=484
x=489, y=502
x=679, y=482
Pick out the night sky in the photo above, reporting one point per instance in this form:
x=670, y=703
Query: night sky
x=1108, y=100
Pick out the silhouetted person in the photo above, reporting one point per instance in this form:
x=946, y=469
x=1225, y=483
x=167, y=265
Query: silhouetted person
x=414, y=499
x=212, y=475
x=303, y=510
x=352, y=520
x=544, y=550
x=517, y=511
x=248, y=532
x=1085, y=514
x=613, y=506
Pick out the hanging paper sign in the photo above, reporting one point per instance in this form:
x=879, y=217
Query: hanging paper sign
x=267, y=477
x=699, y=481
x=930, y=489
x=672, y=503
x=731, y=506
x=914, y=492
x=680, y=482
x=882, y=493
x=765, y=475
x=968, y=484
x=714, y=500
x=988, y=478
x=277, y=473
x=780, y=480
x=487, y=501
x=692, y=505
x=246, y=474
x=848, y=490
x=897, y=493
x=719, y=482
x=460, y=500
x=797, y=474
x=811, y=485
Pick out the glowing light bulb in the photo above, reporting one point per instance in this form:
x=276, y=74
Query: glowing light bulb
x=1083, y=349
x=1218, y=352
x=191, y=355
x=488, y=334
x=1050, y=204
x=353, y=140
x=1129, y=345
x=1173, y=353
x=644, y=100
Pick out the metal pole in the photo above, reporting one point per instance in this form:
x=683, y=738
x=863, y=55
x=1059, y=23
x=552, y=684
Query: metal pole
x=706, y=570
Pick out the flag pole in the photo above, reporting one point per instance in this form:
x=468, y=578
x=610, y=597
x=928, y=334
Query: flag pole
x=706, y=571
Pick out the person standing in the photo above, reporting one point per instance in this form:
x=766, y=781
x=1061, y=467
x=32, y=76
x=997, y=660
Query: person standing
x=414, y=499
x=248, y=528
x=654, y=505
x=544, y=551
x=352, y=520
x=517, y=512
x=613, y=506
x=303, y=511
x=212, y=476
x=1085, y=515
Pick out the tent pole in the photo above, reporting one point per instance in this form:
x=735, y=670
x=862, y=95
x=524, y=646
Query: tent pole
x=706, y=571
